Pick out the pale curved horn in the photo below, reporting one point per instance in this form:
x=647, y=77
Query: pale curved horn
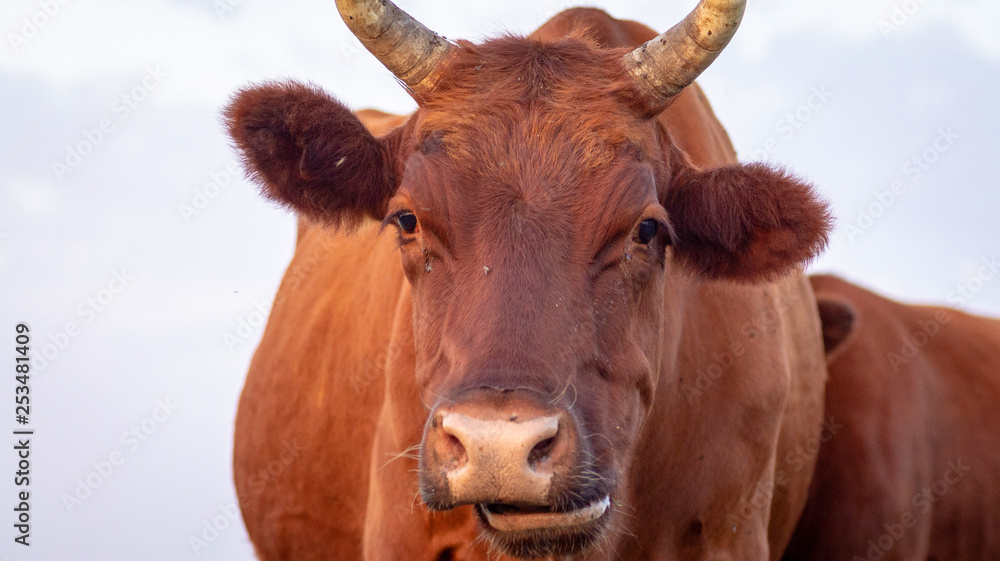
x=663, y=66
x=408, y=49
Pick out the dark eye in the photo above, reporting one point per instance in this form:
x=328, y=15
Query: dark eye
x=407, y=221
x=647, y=231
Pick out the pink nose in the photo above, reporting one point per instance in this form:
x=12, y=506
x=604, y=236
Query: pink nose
x=499, y=458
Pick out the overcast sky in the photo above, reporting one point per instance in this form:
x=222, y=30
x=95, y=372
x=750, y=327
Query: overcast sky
x=140, y=260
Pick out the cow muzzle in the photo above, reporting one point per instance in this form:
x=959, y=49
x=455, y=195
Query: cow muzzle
x=516, y=461
x=500, y=461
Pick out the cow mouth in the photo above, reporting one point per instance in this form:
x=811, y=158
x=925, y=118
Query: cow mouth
x=515, y=518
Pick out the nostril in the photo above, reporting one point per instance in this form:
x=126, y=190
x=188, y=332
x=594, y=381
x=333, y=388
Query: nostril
x=453, y=451
x=541, y=451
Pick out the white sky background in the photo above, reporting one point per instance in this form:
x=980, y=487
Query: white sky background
x=61, y=241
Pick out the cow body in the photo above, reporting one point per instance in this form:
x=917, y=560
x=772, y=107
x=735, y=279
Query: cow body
x=738, y=388
x=910, y=472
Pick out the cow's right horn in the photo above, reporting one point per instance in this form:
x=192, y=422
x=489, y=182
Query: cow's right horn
x=408, y=49
x=665, y=65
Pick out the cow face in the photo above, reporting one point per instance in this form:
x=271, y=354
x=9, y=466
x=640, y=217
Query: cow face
x=542, y=215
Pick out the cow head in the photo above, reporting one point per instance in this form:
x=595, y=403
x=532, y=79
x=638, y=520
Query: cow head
x=542, y=214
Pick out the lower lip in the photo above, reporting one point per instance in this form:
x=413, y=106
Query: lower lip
x=547, y=520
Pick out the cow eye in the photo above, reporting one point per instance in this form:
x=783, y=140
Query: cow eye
x=407, y=221
x=647, y=231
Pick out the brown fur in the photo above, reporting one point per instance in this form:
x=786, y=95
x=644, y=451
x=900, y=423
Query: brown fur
x=529, y=172
x=311, y=153
x=914, y=390
x=745, y=222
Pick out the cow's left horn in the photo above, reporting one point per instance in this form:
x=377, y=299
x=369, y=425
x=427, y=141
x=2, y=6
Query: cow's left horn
x=664, y=66
x=408, y=49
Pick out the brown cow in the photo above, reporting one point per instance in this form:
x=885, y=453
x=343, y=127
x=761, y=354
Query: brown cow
x=913, y=472
x=598, y=339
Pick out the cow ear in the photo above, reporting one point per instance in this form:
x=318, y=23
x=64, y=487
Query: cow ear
x=839, y=323
x=745, y=222
x=311, y=153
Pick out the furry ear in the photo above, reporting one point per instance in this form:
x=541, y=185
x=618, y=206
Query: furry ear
x=311, y=153
x=745, y=222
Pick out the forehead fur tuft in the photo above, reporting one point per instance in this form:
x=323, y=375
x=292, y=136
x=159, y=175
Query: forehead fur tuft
x=527, y=93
